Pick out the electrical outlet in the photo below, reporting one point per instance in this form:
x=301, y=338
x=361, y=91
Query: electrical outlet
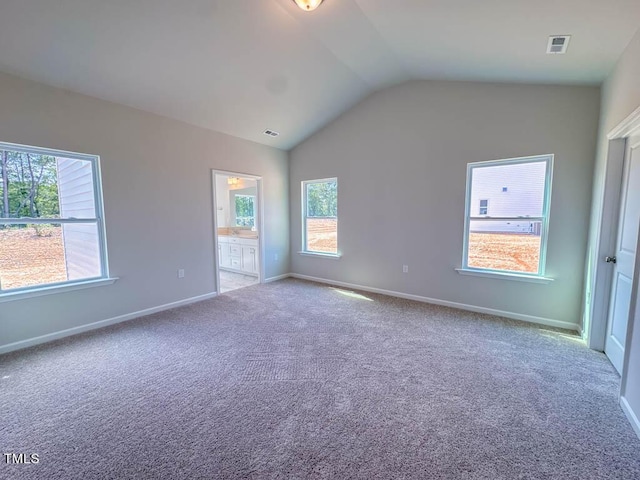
x=405, y=268
x=181, y=273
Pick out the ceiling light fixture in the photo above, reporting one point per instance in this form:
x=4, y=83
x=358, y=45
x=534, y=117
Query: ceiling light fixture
x=308, y=5
x=233, y=180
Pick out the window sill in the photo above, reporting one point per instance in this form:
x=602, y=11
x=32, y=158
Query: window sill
x=333, y=256
x=504, y=275
x=51, y=289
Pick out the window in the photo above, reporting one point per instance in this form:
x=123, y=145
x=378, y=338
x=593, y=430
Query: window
x=484, y=207
x=320, y=216
x=512, y=237
x=51, y=228
x=245, y=216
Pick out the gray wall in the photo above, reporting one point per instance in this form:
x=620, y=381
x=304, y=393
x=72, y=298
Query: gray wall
x=157, y=198
x=620, y=97
x=400, y=157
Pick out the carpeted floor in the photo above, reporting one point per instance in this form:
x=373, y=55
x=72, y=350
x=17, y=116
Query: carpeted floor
x=297, y=380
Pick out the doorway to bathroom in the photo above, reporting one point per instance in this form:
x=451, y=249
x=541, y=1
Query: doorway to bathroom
x=237, y=230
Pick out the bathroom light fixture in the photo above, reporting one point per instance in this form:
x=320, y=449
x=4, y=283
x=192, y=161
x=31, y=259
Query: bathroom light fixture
x=232, y=180
x=308, y=5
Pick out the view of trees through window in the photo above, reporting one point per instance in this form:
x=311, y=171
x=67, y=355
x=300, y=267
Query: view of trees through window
x=322, y=199
x=48, y=230
x=245, y=216
x=321, y=216
x=29, y=186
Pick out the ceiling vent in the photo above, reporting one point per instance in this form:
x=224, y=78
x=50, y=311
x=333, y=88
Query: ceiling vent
x=271, y=133
x=558, y=44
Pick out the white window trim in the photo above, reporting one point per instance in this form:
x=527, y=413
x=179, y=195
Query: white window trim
x=334, y=256
x=51, y=288
x=538, y=277
x=104, y=278
x=504, y=275
x=304, y=251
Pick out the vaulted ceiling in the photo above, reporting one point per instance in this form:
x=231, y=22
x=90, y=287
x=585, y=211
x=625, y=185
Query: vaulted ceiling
x=243, y=66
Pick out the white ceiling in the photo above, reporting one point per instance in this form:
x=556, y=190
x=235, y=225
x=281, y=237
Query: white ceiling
x=241, y=66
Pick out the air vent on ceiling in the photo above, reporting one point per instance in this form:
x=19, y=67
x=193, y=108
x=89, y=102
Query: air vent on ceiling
x=558, y=44
x=271, y=133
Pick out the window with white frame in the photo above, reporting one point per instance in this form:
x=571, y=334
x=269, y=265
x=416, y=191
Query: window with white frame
x=320, y=216
x=484, y=207
x=51, y=226
x=512, y=236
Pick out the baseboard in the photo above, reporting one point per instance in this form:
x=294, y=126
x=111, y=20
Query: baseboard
x=276, y=278
x=30, y=342
x=461, y=306
x=633, y=418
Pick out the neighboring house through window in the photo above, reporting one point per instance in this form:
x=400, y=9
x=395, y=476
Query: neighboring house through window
x=512, y=236
x=320, y=216
x=51, y=224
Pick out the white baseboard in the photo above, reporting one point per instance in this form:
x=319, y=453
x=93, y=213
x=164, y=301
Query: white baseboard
x=100, y=324
x=633, y=418
x=276, y=278
x=461, y=306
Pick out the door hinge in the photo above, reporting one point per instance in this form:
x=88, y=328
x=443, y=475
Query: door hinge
x=610, y=259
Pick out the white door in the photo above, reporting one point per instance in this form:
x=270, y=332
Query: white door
x=625, y=255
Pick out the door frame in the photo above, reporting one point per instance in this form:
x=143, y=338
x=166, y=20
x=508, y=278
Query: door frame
x=259, y=220
x=597, y=312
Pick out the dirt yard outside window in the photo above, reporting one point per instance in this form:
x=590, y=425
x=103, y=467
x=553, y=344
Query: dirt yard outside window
x=322, y=235
x=504, y=251
x=28, y=258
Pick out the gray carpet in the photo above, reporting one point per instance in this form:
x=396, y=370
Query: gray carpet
x=297, y=380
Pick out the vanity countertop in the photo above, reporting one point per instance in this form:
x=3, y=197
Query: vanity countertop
x=253, y=236
x=237, y=232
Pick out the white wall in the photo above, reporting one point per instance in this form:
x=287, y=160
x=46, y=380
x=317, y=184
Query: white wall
x=620, y=97
x=222, y=200
x=157, y=198
x=400, y=157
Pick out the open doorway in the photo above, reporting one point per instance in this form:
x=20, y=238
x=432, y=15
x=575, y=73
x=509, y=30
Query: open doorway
x=238, y=237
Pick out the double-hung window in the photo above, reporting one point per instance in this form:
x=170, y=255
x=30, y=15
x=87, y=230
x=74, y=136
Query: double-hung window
x=507, y=215
x=320, y=216
x=51, y=222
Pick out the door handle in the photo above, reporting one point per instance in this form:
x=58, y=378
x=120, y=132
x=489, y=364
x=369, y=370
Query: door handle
x=610, y=259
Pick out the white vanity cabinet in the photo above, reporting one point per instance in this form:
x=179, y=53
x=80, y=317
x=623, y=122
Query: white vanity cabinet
x=223, y=252
x=238, y=254
x=250, y=258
